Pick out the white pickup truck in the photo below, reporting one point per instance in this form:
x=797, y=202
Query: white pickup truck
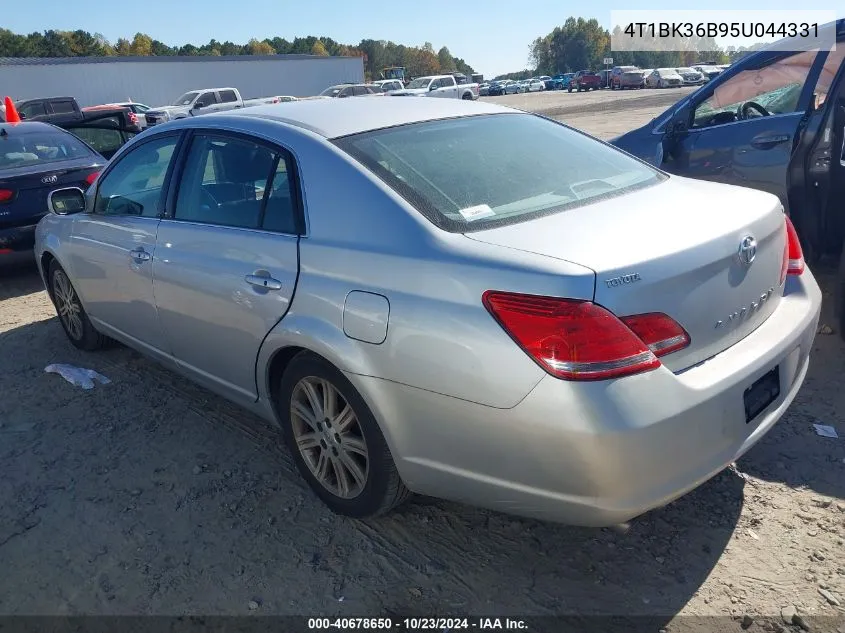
x=204, y=101
x=443, y=86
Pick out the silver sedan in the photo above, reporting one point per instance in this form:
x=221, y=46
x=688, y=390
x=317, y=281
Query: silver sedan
x=558, y=331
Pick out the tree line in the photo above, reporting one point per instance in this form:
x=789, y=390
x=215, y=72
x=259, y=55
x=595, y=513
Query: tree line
x=377, y=54
x=582, y=44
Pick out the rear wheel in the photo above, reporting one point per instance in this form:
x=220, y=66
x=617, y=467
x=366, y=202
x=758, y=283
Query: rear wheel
x=467, y=97
x=72, y=315
x=335, y=440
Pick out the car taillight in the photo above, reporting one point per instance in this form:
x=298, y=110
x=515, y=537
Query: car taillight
x=794, y=254
x=90, y=178
x=579, y=340
x=6, y=195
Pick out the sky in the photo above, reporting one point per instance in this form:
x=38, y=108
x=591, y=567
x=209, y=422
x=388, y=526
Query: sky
x=492, y=36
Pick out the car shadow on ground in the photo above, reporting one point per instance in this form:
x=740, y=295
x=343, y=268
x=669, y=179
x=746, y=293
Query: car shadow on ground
x=18, y=278
x=792, y=452
x=150, y=495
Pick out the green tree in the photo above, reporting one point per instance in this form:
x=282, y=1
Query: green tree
x=318, y=48
x=122, y=47
x=260, y=48
x=142, y=45
x=447, y=62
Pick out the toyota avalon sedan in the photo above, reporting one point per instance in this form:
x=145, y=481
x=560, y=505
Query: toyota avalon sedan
x=558, y=331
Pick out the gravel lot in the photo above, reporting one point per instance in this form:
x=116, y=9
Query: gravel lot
x=152, y=496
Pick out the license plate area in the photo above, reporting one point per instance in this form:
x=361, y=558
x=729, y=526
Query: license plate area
x=761, y=394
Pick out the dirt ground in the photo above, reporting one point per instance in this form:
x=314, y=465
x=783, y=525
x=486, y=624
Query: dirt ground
x=152, y=496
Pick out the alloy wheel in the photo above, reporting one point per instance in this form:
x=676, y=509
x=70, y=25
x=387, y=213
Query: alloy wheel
x=329, y=437
x=67, y=305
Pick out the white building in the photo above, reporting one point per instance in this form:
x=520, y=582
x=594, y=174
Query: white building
x=158, y=81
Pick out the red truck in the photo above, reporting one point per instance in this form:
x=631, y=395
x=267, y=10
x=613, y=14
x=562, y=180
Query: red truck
x=585, y=80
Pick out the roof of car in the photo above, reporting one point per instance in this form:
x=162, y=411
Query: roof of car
x=26, y=127
x=333, y=118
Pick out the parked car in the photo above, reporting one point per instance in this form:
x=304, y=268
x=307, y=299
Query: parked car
x=585, y=80
x=484, y=90
x=600, y=397
x=774, y=121
x=442, y=86
x=138, y=109
x=534, y=85
x=664, y=78
x=36, y=157
x=341, y=91
x=691, y=76
x=622, y=77
x=497, y=88
x=202, y=101
x=515, y=87
x=561, y=81
x=388, y=85
x=709, y=72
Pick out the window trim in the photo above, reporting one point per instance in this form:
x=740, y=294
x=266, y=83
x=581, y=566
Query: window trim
x=165, y=186
x=275, y=147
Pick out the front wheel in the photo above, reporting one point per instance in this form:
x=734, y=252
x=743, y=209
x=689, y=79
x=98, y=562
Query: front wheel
x=72, y=315
x=335, y=440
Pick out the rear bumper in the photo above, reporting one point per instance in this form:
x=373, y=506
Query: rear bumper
x=600, y=453
x=19, y=238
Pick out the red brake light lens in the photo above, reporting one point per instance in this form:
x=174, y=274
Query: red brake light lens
x=90, y=178
x=6, y=195
x=794, y=252
x=579, y=340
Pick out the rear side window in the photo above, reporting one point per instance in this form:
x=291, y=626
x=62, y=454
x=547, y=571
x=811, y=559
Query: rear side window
x=454, y=172
x=238, y=183
x=62, y=107
x=228, y=96
x=103, y=139
x=36, y=148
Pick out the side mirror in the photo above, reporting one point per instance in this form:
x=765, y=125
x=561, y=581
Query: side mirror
x=66, y=201
x=432, y=87
x=199, y=104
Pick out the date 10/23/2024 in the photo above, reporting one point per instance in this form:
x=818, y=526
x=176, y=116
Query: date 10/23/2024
x=439, y=624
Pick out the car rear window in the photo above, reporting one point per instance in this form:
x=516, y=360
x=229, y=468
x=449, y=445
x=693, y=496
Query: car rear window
x=33, y=148
x=473, y=173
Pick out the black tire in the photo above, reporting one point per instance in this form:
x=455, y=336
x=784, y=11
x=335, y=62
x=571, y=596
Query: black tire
x=79, y=331
x=467, y=97
x=383, y=489
x=570, y=88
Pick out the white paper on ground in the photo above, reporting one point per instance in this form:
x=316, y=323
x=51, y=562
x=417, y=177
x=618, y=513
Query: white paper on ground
x=77, y=376
x=825, y=431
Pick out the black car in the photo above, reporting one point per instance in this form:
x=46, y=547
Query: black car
x=35, y=159
x=774, y=121
x=106, y=130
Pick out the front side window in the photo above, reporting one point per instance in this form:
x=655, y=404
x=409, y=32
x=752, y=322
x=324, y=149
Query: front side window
x=236, y=182
x=771, y=90
x=63, y=107
x=37, y=148
x=133, y=185
x=207, y=99
x=454, y=173
x=32, y=110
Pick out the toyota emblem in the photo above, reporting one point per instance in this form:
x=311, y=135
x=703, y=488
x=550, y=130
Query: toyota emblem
x=747, y=250
x=49, y=180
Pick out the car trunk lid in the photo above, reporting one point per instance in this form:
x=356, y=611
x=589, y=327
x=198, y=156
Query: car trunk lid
x=31, y=184
x=672, y=248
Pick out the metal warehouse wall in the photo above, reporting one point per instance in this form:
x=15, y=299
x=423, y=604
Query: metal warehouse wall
x=159, y=81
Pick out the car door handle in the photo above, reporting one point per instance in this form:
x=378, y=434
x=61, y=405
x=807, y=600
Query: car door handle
x=262, y=281
x=140, y=255
x=764, y=142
